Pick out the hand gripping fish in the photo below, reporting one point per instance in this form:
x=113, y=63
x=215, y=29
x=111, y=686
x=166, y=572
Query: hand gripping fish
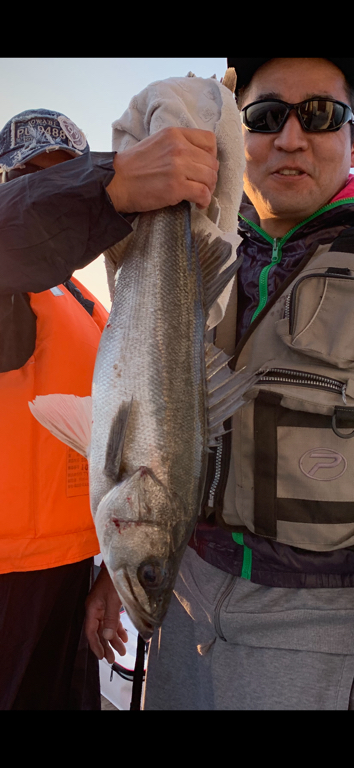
x=160, y=396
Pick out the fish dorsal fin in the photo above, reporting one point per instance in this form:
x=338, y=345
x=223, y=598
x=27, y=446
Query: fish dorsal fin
x=230, y=79
x=213, y=257
x=67, y=417
x=226, y=390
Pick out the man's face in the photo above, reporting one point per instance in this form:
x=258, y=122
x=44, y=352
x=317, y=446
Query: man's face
x=323, y=159
x=47, y=159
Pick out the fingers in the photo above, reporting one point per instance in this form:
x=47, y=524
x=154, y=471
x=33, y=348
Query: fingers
x=110, y=642
x=174, y=164
x=109, y=632
x=102, y=640
x=205, y=140
x=94, y=640
x=111, y=639
x=103, y=626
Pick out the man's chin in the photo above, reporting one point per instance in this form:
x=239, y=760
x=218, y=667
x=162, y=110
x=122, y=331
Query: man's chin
x=292, y=208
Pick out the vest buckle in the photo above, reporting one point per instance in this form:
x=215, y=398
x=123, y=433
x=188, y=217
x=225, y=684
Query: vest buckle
x=346, y=418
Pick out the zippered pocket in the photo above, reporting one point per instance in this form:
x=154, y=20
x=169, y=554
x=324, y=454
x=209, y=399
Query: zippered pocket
x=342, y=416
x=304, y=379
x=319, y=317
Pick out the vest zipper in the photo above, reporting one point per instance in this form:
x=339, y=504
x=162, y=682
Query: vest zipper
x=216, y=473
x=303, y=378
x=263, y=277
x=287, y=306
x=277, y=250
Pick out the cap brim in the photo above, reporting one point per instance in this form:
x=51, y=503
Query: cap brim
x=10, y=166
x=245, y=69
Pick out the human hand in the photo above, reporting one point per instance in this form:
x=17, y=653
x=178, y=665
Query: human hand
x=103, y=626
x=172, y=165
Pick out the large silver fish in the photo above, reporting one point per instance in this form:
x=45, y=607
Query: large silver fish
x=160, y=396
x=149, y=444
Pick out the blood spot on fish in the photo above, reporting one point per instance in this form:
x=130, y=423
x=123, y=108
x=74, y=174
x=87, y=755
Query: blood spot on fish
x=122, y=525
x=108, y=325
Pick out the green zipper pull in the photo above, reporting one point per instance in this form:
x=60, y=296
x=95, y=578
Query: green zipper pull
x=275, y=252
x=263, y=277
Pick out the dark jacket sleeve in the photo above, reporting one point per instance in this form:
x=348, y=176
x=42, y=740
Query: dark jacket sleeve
x=56, y=221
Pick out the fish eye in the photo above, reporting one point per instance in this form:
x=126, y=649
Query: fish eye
x=152, y=574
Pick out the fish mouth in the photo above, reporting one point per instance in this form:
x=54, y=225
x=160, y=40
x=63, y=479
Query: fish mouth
x=146, y=631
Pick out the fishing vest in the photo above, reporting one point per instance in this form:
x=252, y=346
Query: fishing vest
x=291, y=476
x=46, y=519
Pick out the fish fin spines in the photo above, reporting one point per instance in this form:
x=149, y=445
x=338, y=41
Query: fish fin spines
x=213, y=256
x=226, y=390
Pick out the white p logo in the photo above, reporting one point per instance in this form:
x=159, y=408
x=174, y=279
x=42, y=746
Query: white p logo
x=323, y=464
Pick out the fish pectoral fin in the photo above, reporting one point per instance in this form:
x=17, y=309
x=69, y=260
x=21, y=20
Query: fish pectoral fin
x=115, y=444
x=67, y=417
x=226, y=390
x=213, y=256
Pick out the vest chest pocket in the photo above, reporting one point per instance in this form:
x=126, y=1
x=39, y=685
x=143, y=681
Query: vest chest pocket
x=319, y=317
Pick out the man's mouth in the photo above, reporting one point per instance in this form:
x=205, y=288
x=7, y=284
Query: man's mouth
x=290, y=172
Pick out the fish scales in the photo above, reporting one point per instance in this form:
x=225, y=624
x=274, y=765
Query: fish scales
x=152, y=350
x=151, y=356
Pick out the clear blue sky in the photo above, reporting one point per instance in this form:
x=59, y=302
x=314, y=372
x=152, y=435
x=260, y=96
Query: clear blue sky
x=93, y=92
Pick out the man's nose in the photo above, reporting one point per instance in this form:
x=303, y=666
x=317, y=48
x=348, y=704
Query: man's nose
x=292, y=137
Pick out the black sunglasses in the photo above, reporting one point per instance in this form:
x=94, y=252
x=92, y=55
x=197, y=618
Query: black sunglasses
x=270, y=115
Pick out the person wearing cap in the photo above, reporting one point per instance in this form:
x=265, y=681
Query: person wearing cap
x=47, y=539
x=262, y=616
x=61, y=205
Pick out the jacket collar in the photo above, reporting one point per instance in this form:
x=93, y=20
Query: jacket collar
x=346, y=195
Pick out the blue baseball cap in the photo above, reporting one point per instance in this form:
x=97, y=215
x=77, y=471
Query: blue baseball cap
x=35, y=131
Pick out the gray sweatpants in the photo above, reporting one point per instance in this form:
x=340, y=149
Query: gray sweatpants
x=227, y=643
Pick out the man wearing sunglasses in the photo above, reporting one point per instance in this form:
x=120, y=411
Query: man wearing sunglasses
x=297, y=120
x=264, y=610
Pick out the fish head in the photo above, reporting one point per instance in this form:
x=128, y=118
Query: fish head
x=142, y=531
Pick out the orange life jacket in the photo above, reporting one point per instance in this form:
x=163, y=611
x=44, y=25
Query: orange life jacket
x=46, y=517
